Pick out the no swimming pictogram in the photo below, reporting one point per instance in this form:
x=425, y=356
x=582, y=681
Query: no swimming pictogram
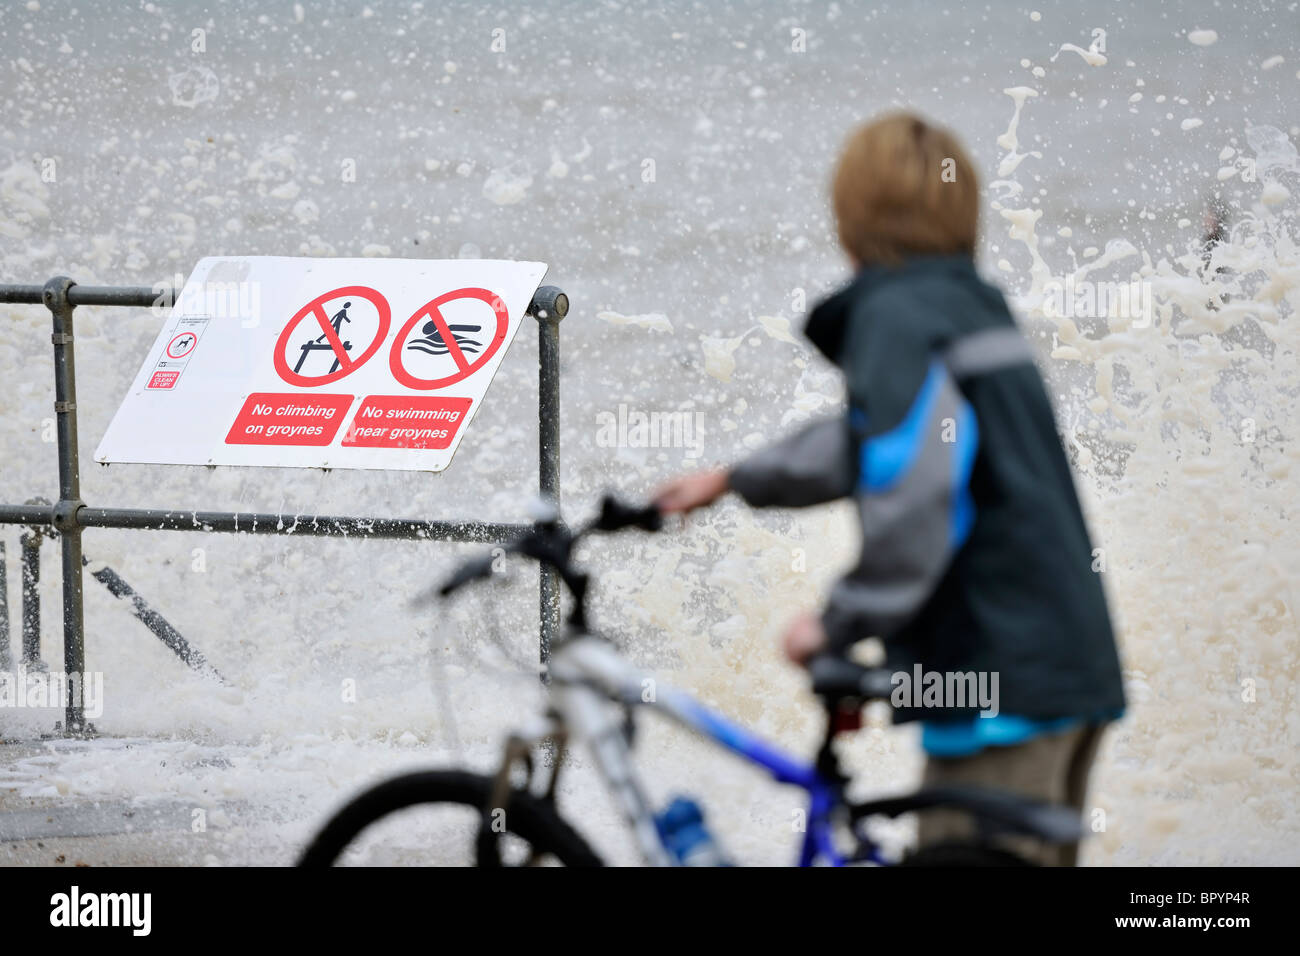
x=443, y=351
x=314, y=348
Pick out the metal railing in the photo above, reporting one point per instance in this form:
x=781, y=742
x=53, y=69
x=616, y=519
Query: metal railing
x=69, y=516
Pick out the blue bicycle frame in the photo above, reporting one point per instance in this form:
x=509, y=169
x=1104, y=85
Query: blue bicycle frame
x=824, y=795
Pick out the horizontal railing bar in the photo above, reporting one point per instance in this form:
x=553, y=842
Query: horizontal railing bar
x=147, y=296
x=31, y=294
x=119, y=295
x=319, y=525
x=26, y=514
x=153, y=519
x=143, y=296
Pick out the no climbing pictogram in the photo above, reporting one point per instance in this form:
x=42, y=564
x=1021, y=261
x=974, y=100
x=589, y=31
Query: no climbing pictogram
x=316, y=341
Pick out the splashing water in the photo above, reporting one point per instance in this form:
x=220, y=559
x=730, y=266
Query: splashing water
x=1176, y=403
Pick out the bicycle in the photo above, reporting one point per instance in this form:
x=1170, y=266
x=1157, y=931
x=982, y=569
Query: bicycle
x=593, y=692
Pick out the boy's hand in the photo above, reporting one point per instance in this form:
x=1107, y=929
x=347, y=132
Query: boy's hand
x=691, y=491
x=804, y=638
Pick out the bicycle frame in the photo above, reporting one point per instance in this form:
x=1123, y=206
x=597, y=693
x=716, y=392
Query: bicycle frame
x=593, y=690
x=592, y=687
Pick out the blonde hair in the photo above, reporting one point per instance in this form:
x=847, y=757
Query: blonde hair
x=903, y=188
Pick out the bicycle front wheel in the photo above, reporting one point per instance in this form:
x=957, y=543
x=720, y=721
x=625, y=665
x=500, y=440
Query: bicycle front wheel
x=527, y=831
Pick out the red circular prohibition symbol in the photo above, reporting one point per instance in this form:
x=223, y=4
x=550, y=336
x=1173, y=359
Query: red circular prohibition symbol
x=464, y=367
x=194, y=340
x=347, y=364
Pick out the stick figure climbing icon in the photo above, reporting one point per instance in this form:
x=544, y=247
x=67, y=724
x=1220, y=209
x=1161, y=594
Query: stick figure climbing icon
x=312, y=338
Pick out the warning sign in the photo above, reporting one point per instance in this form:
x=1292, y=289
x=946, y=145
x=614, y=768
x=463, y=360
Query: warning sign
x=183, y=337
x=288, y=419
x=181, y=345
x=399, y=421
x=308, y=368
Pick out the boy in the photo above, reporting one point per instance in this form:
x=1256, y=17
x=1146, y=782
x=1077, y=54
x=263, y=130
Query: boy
x=975, y=556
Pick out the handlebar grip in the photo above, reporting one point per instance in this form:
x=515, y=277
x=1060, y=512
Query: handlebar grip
x=835, y=677
x=615, y=515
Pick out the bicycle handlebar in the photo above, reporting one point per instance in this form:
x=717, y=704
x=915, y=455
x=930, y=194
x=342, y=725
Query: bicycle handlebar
x=467, y=572
x=833, y=676
x=551, y=542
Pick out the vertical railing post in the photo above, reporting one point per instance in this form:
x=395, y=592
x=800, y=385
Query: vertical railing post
x=6, y=657
x=65, y=511
x=550, y=305
x=30, y=545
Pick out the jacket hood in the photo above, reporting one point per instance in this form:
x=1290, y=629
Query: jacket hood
x=829, y=320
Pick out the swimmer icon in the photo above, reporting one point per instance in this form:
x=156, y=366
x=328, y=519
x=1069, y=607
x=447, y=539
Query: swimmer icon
x=461, y=343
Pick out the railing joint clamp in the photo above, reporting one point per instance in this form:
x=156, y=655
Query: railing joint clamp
x=65, y=514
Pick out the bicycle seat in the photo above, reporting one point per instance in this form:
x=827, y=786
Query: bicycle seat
x=994, y=811
x=836, y=678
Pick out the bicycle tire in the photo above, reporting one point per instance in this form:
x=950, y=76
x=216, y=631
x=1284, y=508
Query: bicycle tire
x=529, y=817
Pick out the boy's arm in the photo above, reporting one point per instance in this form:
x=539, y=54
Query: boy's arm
x=810, y=467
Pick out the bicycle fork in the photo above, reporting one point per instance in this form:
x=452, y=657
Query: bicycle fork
x=519, y=749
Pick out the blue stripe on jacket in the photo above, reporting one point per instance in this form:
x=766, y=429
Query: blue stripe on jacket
x=886, y=459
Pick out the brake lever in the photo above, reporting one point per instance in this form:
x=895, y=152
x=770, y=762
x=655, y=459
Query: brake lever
x=471, y=570
x=552, y=543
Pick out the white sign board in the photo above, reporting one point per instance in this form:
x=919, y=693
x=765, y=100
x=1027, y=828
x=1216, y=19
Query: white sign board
x=322, y=363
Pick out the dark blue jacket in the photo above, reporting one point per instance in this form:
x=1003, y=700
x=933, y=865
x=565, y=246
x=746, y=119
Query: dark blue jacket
x=975, y=556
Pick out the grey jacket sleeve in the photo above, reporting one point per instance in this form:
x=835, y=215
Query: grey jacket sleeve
x=810, y=467
x=916, y=510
